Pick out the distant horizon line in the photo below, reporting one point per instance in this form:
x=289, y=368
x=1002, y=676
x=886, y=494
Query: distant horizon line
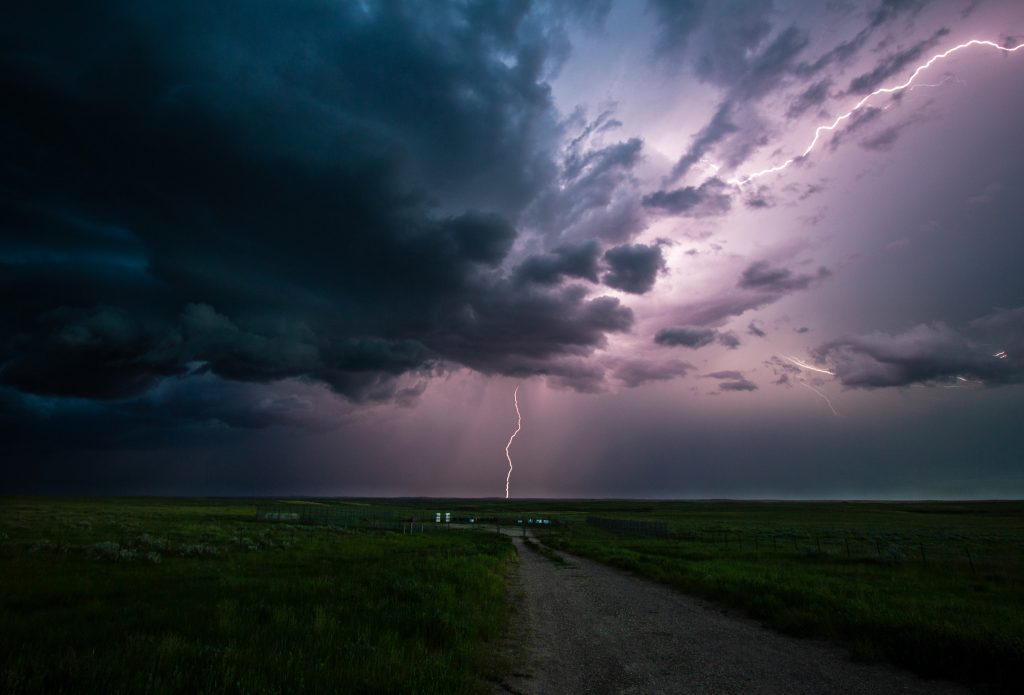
x=853, y=500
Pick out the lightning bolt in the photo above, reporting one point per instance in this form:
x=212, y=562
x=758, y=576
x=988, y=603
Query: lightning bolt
x=831, y=407
x=803, y=365
x=519, y=426
x=803, y=382
x=740, y=181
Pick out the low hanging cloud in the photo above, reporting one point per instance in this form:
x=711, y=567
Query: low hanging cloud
x=763, y=276
x=634, y=372
x=927, y=353
x=695, y=337
x=732, y=380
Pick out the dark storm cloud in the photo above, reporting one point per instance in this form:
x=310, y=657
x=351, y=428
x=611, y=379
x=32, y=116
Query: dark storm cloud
x=731, y=380
x=754, y=330
x=565, y=261
x=925, y=353
x=633, y=267
x=596, y=196
x=686, y=336
x=765, y=277
x=512, y=330
x=707, y=200
x=892, y=64
x=695, y=337
x=314, y=190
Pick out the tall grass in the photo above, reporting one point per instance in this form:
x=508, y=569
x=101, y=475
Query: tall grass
x=151, y=596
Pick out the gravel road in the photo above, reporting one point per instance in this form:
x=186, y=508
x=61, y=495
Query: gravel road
x=588, y=628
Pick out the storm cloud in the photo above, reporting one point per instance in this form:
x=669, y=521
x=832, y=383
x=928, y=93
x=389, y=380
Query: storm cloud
x=157, y=215
x=633, y=267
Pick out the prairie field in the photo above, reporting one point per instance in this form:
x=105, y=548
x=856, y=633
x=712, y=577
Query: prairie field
x=197, y=596
x=176, y=595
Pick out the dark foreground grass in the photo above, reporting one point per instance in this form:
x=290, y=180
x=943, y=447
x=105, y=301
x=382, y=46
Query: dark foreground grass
x=892, y=582
x=192, y=596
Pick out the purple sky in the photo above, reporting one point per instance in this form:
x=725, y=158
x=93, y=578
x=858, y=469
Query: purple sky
x=313, y=249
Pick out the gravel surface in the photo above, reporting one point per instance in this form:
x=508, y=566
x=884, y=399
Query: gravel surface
x=588, y=628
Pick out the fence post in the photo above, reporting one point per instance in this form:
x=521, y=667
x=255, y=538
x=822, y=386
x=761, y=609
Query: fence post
x=971, y=560
x=846, y=542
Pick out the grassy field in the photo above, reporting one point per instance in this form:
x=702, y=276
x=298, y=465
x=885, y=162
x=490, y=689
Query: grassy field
x=197, y=596
x=937, y=587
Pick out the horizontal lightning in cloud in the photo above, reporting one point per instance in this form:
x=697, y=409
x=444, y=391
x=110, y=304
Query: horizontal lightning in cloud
x=739, y=181
x=803, y=365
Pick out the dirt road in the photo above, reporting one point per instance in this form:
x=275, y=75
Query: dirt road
x=588, y=628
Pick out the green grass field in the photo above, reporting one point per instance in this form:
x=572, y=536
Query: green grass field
x=197, y=596
x=155, y=595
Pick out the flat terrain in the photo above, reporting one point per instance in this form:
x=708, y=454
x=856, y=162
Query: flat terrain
x=589, y=628
x=197, y=596
x=176, y=595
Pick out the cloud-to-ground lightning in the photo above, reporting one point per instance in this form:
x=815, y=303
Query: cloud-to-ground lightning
x=519, y=426
x=741, y=180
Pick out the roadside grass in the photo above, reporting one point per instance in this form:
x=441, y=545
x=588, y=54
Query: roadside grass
x=196, y=596
x=935, y=610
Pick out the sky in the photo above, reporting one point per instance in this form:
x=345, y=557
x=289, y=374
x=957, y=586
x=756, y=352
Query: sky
x=313, y=248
